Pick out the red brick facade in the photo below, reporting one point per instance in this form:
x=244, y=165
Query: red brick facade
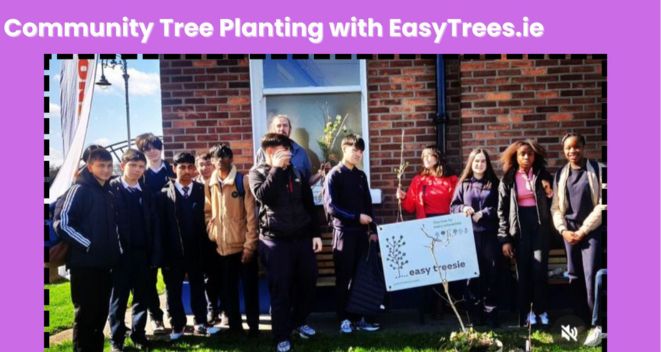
x=490, y=103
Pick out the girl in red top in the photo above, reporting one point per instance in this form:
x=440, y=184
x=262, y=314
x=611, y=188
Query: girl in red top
x=431, y=191
x=429, y=195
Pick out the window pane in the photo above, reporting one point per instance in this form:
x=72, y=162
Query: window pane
x=310, y=73
x=310, y=113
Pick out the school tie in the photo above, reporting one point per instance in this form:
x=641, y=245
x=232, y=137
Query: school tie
x=185, y=189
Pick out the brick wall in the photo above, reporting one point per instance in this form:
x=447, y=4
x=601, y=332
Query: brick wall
x=206, y=102
x=507, y=100
x=489, y=103
x=402, y=95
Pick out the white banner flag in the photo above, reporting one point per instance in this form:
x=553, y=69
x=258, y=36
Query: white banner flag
x=76, y=89
x=408, y=260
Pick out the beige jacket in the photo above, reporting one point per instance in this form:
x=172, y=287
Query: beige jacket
x=560, y=201
x=232, y=224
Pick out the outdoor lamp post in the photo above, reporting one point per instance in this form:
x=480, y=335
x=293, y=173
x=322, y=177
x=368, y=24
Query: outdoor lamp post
x=104, y=83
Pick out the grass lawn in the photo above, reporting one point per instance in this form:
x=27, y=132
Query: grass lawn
x=61, y=309
x=363, y=342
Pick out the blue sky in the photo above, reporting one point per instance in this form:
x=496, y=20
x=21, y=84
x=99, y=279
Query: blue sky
x=107, y=123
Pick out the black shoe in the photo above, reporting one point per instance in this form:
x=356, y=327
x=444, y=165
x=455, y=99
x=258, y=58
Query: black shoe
x=116, y=348
x=492, y=319
x=158, y=327
x=141, y=344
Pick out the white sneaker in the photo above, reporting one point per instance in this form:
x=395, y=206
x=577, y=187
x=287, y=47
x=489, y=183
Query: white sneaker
x=544, y=319
x=594, y=337
x=212, y=330
x=532, y=319
x=305, y=331
x=345, y=327
x=283, y=346
x=362, y=325
x=176, y=335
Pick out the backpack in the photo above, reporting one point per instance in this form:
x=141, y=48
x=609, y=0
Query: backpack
x=324, y=190
x=238, y=181
x=57, y=248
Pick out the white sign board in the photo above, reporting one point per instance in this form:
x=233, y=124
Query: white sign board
x=406, y=251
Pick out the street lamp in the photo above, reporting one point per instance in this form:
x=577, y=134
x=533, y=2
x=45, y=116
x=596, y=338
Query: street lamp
x=104, y=83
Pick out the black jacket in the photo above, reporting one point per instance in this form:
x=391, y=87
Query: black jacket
x=122, y=219
x=509, y=226
x=485, y=201
x=168, y=226
x=286, y=206
x=85, y=218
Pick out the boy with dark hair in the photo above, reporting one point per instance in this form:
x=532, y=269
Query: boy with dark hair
x=134, y=216
x=233, y=229
x=157, y=174
x=348, y=201
x=183, y=234
x=85, y=218
x=289, y=239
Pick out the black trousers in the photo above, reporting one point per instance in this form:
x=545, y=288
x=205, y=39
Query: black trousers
x=532, y=261
x=90, y=295
x=230, y=269
x=174, y=278
x=292, y=275
x=212, y=282
x=482, y=291
x=248, y=276
x=153, y=302
x=250, y=282
x=349, y=246
x=131, y=275
x=583, y=261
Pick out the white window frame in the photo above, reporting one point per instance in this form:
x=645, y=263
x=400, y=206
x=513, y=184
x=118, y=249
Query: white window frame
x=259, y=94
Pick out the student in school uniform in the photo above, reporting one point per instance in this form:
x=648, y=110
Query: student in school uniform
x=289, y=239
x=524, y=201
x=348, y=201
x=85, y=218
x=141, y=251
x=233, y=230
x=577, y=215
x=157, y=174
x=183, y=234
x=211, y=271
x=476, y=196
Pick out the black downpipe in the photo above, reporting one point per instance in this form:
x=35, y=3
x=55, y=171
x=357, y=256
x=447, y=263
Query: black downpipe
x=441, y=118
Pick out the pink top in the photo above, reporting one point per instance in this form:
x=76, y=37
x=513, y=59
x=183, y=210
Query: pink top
x=524, y=188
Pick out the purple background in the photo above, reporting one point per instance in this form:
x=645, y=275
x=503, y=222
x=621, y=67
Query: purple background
x=627, y=31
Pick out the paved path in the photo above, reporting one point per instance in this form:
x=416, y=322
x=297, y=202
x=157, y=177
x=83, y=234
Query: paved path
x=405, y=321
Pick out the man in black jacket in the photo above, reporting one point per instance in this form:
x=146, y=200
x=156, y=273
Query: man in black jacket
x=183, y=234
x=134, y=217
x=289, y=237
x=85, y=219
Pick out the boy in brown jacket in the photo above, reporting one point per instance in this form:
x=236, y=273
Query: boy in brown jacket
x=233, y=228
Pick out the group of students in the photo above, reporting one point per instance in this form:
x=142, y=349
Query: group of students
x=203, y=220
x=513, y=220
